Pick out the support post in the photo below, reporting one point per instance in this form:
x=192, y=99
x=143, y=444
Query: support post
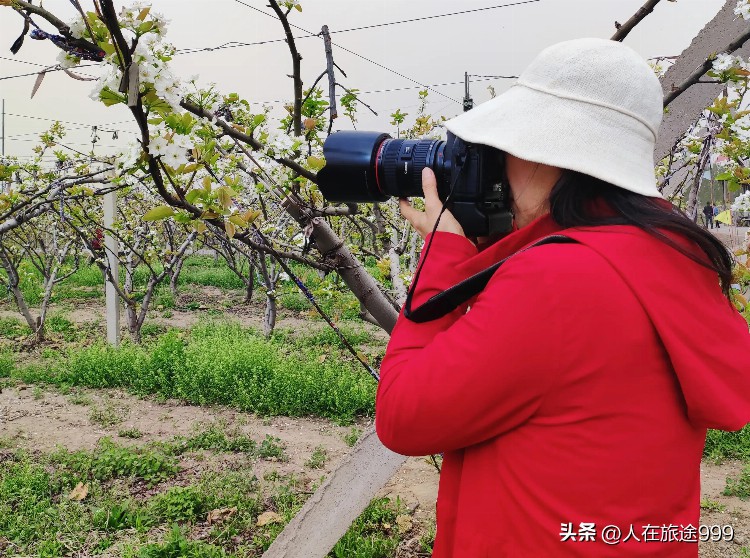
x=2, y=131
x=111, y=249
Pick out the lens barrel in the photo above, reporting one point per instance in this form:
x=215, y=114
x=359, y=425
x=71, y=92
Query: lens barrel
x=349, y=174
x=372, y=166
x=400, y=163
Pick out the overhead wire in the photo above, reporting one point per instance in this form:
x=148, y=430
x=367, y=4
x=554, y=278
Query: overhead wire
x=238, y=44
x=234, y=44
x=84, y=124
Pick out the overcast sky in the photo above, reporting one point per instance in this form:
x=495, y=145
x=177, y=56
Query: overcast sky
x=499, y=41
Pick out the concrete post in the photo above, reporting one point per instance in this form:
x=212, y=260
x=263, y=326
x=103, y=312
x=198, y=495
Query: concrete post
x=111, y=249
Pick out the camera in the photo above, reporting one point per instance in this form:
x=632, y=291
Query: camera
x=373, y=166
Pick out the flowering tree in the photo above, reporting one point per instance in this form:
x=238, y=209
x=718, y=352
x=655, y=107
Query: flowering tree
x=154, y=245
x=33, y=227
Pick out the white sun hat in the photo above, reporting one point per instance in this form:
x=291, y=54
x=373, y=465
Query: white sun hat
x=588, y=105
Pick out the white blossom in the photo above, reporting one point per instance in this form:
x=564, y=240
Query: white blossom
x=741, y=128
x=77, y=27
x=723, y=62
x=742, y=202
x=743, y=9
x=66, y=60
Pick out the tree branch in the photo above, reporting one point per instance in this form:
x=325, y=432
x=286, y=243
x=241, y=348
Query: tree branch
x=296, y=70
x=246, y=138
x=699, y=72
x=628, y=26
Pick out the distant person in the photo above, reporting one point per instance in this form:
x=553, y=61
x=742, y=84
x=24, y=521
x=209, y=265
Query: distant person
x=708, y=213
x=716, y=212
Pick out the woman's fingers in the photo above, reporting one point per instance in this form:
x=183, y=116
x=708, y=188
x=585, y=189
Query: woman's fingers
x=429, y=188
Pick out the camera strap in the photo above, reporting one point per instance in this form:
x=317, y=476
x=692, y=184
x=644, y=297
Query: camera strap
x=445, y=302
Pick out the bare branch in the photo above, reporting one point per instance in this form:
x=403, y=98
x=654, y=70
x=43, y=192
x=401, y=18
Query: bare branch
x=296, y=70
x=628, y=26
x=699, y=72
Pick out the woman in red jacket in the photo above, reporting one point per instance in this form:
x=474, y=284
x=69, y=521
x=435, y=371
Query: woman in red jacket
x=571, y=400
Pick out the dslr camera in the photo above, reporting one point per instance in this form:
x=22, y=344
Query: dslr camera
x=372, y=166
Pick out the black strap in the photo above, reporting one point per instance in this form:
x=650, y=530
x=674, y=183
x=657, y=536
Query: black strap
x=445, y=302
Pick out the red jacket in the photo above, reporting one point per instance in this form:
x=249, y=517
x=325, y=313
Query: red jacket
x=576, y=390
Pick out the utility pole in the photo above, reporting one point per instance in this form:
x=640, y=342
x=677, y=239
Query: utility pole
x=468, y=101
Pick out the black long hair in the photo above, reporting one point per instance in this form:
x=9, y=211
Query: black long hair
x=575, y=197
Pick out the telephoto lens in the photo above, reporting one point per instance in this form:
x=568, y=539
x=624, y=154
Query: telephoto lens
x=370, y=167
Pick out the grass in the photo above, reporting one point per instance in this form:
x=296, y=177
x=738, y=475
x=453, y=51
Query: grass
x=12, y=328
x=317, y=459
x=220, y=363
x=107, y=415
x=739, y=486
x=732, y=445
x=131, y=433
x=351, y=437
x=41, y=515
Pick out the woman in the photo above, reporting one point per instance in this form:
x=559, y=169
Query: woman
x=571, y=401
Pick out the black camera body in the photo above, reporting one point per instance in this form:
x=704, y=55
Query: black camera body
x=372, y=166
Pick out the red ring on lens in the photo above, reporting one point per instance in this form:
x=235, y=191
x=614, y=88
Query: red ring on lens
x=377, y=165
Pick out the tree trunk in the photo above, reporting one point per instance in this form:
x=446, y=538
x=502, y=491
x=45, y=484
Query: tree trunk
x=15, y=289
x=134, y=328
x=269, y=318
x=175, y=275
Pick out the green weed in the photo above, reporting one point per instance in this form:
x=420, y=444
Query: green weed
x=739, y=486
x=374, y=534
x=110, y=460
x=711, y=505
x=12, y=328
x=176, y=545
x=220, y=363
x=271, y=447
x=180, y=504
x=107, y=416
x=132, y=433
x=351, y=437
x=317, y=459
x=732, y=445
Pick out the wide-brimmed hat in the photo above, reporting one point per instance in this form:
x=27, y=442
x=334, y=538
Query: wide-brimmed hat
x=588, y=105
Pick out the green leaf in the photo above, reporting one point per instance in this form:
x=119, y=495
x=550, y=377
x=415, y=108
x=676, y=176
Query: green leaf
x=724, y=176
x=250, y=215
x=107, y=47
x=193, y=195
x=157, y=213
x=316, y=163
x=109, y=97
x=298, y=7
x=224, y=196
x=237, y=220
x=145, y=27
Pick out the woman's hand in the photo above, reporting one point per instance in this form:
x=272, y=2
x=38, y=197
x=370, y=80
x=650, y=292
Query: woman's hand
x=424, y=221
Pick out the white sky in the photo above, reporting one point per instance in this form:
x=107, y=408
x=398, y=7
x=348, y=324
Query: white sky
x=493, y=42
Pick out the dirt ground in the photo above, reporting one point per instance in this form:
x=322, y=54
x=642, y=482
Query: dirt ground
x=44, y=419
